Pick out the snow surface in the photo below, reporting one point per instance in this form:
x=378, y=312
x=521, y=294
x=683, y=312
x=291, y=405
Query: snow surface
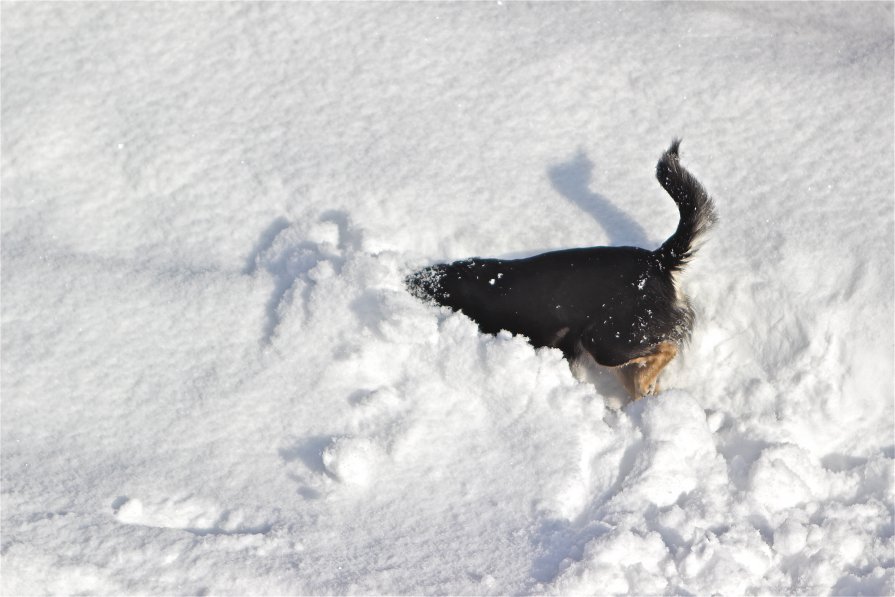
x=213, y=380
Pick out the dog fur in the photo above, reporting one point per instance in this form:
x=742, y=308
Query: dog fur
x=622, y=306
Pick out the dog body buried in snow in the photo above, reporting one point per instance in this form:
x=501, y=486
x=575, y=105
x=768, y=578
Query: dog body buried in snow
x=622, y=306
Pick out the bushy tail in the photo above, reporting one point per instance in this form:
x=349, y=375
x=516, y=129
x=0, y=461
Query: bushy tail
x=696, y=207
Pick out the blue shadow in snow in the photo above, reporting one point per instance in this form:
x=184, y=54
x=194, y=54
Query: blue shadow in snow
x=572, y=180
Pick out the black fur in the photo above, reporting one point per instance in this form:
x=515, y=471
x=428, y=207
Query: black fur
x=615, y=303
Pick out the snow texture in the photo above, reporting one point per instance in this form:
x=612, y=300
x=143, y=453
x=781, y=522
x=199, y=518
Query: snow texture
x=213, y=380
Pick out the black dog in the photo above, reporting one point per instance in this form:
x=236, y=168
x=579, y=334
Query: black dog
x=620, y=305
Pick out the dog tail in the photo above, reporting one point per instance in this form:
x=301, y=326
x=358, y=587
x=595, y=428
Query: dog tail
x=696, y=207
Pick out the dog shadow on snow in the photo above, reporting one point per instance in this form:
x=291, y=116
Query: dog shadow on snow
x=572, y=179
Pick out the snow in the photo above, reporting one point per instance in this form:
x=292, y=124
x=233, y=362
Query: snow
x=214, y=382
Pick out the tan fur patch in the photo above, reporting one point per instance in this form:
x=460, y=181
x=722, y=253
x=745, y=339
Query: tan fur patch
x=640, y=375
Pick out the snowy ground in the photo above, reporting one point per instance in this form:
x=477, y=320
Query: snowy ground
x=214, y=382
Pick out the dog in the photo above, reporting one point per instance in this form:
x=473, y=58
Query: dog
x=621, y=306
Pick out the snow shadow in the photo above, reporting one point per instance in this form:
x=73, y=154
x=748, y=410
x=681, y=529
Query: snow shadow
x=561, y=541
x=572, y=180
x=265, y=242
x=309, y=452
x=290, y=251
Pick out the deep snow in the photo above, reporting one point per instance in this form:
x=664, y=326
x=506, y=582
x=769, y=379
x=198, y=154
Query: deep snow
x=213, y=380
